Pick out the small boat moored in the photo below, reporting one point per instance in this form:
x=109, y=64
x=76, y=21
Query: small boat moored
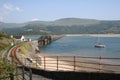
x=99, y=45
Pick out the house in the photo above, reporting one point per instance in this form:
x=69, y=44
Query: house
x=18, y=38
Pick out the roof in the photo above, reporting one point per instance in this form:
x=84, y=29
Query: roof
x=17, y=37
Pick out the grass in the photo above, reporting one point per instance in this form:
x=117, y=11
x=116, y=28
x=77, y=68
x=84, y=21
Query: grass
x=4, y=35
x=25, y=49
x=3, y=44
x=4, y=41
x=6, y=68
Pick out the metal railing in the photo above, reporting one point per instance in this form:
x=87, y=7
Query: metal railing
x=20, y=74
x=74, y=63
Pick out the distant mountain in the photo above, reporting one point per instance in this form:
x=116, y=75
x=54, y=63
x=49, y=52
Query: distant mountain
x=63, y=26
x=11, y=25
x=75, y=21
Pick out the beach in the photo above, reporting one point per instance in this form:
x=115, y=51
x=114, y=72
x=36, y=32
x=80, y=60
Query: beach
x=75, y=63
x=95, y=35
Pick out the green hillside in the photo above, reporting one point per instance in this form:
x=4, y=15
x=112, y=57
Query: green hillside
x=66, y=26
x=5, y=67
x=75, y=21
x=4, y=41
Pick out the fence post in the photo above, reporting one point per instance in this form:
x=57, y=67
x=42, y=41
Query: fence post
x=36, y=62
x=74, y=65
x=57, y=63
x=23, y=73
x=16, y=71
x=12, y=60
x=100, y=64
x=44, y=63
x=25, y=62
x=30, y=74
x=11, y=76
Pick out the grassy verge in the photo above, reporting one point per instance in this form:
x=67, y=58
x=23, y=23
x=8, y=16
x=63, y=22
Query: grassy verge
x=25, y=49
x=3, y=45
x=6, y=68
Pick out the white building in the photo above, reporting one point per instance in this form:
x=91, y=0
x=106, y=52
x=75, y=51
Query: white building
x=18, y=38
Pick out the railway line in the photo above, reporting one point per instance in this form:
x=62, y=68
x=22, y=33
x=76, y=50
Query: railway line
x=14, y=57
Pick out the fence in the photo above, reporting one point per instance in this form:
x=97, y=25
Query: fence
x=19, y=75
x=74, y=63
x=65, y=63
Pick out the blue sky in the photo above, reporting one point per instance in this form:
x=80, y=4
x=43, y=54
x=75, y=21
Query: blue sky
x=19, y=11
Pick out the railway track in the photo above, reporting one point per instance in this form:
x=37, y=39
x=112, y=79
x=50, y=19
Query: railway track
x=14, y=57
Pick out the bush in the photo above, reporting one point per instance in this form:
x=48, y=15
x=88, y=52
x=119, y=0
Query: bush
x=6, y=68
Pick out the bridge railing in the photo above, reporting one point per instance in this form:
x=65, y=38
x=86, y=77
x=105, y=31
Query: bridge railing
x=75, y=63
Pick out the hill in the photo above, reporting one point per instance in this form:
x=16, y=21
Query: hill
x=5, y=66
x=75, y=21
x=64, y=26
x=4, y=41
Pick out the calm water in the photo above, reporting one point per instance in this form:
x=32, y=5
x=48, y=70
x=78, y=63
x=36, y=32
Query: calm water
x=83, y=46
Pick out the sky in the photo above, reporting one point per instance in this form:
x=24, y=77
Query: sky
x=20, y=11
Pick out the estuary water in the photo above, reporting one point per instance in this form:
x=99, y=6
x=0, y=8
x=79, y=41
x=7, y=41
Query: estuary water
x=83, y=46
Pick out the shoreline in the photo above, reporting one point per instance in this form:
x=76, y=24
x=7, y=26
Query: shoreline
x=95, y=35
x=66, y=63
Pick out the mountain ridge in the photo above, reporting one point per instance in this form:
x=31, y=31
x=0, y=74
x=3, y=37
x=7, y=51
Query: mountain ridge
x=63, y=26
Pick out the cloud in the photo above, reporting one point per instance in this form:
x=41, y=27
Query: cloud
x=8, y=6
x=8, y=9
x=34, y=19
x=2, y=16
x=18, y=9
x=11, y=7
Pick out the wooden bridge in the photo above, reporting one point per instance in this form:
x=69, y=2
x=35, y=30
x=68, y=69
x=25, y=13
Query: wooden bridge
x=44, y=40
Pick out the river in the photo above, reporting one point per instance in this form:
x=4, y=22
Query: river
x=83, y=46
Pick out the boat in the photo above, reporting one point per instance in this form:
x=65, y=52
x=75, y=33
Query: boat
x=99, y=44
